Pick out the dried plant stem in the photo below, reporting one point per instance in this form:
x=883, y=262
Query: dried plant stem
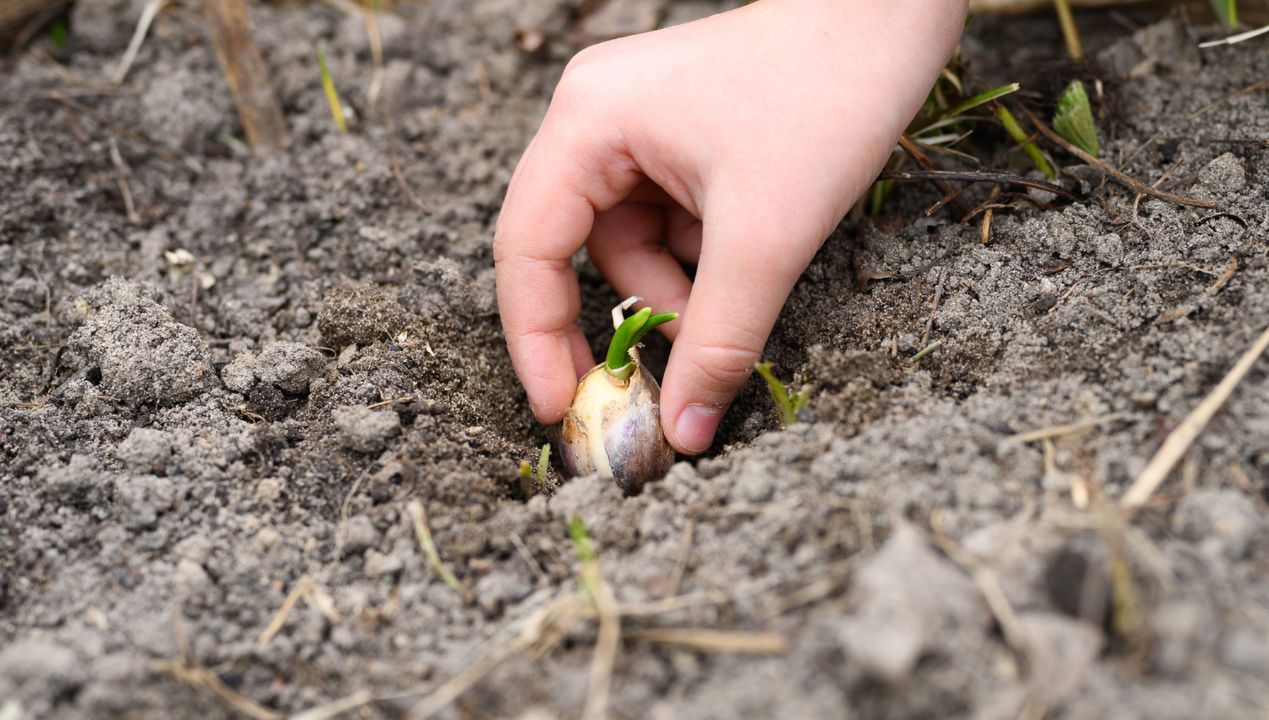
x=419, y=520
x=1116, y=175
x=1070, y=33
x=245, y=73
x=1180, y=439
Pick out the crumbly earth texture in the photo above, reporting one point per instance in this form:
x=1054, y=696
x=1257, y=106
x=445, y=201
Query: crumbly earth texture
x=259, y=383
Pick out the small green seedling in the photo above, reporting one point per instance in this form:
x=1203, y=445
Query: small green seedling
x=533, y=481
x=588, y=578
x=787, y=404
x=58, y=32
x=1073, y=119
x=1028, y=146
x=332, y=95
x=629, y=334
x=1227, y=11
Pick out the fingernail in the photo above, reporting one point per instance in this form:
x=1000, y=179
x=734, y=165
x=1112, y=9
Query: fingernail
x=696, y=426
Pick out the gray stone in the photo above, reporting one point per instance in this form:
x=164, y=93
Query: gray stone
x=365, y=430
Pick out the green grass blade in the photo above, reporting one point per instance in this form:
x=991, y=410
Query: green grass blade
x=544, y=461
x=780, y=395
x=981, y=98
x=1227, y=11
x=1073, y=119
x=1019, y=135
x=332, y=95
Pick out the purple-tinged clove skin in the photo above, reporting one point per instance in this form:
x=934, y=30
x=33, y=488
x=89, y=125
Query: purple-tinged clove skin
x=613, y=428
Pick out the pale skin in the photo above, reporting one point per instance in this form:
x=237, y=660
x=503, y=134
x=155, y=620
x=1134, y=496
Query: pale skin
x=735, y=143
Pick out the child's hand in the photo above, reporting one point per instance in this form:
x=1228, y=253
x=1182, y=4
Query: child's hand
x=735, y=143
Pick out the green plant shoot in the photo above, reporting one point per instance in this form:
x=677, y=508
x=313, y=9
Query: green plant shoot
x=1073, y=119
x=1227, y=11
x=788, y=405
x=588, y=578
x=332, y=95
x=618, y=361
x=981, y=98
x=1019, y=136
x=533, y=482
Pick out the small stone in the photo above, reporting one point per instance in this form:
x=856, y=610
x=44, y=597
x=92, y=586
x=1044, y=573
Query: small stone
x=268, y=490
x=361, y=535
x=190, y=576
x=1224, y=174
x=365, y=430
x=145, y=450
x=268, y=538
x=378, y=564
x=240, y=375
x=289, y=366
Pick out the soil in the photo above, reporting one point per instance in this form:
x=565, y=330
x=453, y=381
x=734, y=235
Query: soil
x=236, y=388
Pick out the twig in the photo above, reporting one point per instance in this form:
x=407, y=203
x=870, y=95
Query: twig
x=204, y=678
x=984, y=232
x=913, y=149
x=1234, y=39
x=979, y=176
x=428, y=546
x=1115, y=174
x=284, y=613
x=148, y=14
x=1070, y=33
x=1180, y=439
x=988, y=585
x=405, y=184
x=716, y=641
x=934, y=308
x=926, y=351
x=245, y=73
x=129, y=207
x=1067, y=429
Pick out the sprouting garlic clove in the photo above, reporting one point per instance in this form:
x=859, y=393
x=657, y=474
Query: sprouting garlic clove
x=613, y=428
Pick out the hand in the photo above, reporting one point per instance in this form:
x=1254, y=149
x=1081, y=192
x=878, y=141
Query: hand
x=735, y=143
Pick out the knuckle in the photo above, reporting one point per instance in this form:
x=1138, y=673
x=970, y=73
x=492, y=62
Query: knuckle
x=724, y=366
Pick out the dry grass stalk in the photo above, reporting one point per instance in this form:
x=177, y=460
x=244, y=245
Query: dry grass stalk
x=1116, y=175
x=715, y=641
x=424, y=534
x=245, y=73
x=1180, y=440
x=1067, y=429
x=201, y=677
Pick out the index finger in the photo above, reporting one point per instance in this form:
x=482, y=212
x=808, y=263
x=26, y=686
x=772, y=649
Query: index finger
x=568, y=173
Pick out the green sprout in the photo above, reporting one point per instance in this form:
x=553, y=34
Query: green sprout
x=619, y=362
x=533, y=481
x=1227, y=11
x=1073, y=119
x=57, y=34
x=787, y=404
x=981, y=98
x=1029, y=147
x=589, y=577
x=332, y=95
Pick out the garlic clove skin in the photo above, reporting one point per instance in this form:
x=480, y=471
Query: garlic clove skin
x=613, y=428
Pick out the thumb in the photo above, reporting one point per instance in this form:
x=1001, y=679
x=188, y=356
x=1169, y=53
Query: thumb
x=750, y=259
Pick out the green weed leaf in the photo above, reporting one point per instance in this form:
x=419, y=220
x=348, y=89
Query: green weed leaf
x=1073, y=119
